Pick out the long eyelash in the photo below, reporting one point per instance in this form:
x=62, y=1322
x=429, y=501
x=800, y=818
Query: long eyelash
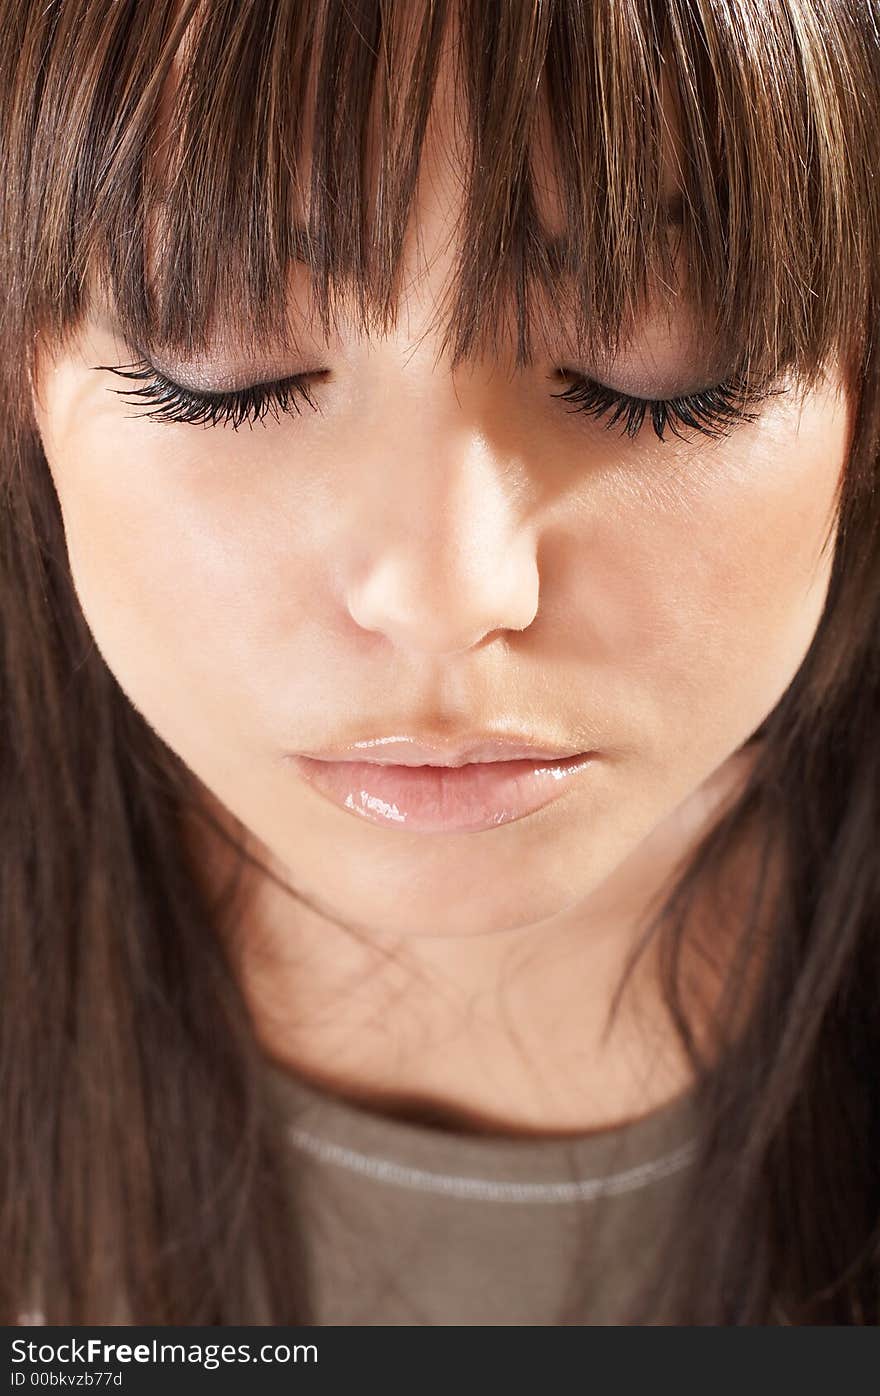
x=713, y=412
x=173, y=403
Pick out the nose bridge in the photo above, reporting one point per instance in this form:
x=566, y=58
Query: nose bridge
x=445, y=557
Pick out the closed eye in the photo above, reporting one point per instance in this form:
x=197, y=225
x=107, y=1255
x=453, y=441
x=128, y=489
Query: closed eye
x=168, y=401
x=713, y=411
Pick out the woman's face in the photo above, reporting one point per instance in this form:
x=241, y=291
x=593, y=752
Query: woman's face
x=438, y=553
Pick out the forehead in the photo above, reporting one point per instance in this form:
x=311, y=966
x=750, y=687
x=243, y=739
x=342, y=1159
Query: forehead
x=510, y=171
x=434, y=225
x=447, y=145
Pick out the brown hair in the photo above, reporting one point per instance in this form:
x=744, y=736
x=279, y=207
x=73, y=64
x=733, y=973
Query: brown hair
x=141, y=1173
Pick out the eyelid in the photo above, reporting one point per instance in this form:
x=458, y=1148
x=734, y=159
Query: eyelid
x=713, y=412
x=675, y=394
x=174, y=378
x=176, y=375
x=216, y=393
x=173, y=402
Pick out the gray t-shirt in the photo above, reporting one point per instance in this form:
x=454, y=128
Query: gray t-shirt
x=404, y=1223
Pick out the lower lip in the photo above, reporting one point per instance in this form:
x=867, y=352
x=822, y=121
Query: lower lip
x=436, y=799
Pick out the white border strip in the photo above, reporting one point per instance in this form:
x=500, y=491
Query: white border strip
x=584, y=1190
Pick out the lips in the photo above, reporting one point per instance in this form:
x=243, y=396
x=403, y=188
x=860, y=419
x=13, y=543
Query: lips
x=407, y=751
x=424, y=798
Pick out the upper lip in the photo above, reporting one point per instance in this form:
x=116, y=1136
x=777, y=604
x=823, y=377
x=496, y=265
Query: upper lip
x=460, y=750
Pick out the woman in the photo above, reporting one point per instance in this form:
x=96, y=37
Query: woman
x=493, y=390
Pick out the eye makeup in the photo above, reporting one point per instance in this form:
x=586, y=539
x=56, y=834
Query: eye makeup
x=168, y=401
x=713, y=411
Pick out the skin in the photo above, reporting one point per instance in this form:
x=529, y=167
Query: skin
x=438, y=552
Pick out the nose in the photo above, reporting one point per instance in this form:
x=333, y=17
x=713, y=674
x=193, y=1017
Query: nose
x=449, y=561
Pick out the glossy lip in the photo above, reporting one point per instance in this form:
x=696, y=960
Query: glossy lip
x=443, y=751
x=433, y=799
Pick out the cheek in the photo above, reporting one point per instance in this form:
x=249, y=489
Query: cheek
x=705, y=583
x=176, y=570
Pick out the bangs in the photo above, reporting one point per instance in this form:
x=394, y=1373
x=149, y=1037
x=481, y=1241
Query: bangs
x=722, y=154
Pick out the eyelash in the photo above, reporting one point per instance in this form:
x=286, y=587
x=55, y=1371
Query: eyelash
x=174, y=403
x=712, y=412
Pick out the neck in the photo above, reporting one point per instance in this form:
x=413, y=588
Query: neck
x=506, y=1033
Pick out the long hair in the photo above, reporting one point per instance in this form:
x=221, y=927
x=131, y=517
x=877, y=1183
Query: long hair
x=142, y=1175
